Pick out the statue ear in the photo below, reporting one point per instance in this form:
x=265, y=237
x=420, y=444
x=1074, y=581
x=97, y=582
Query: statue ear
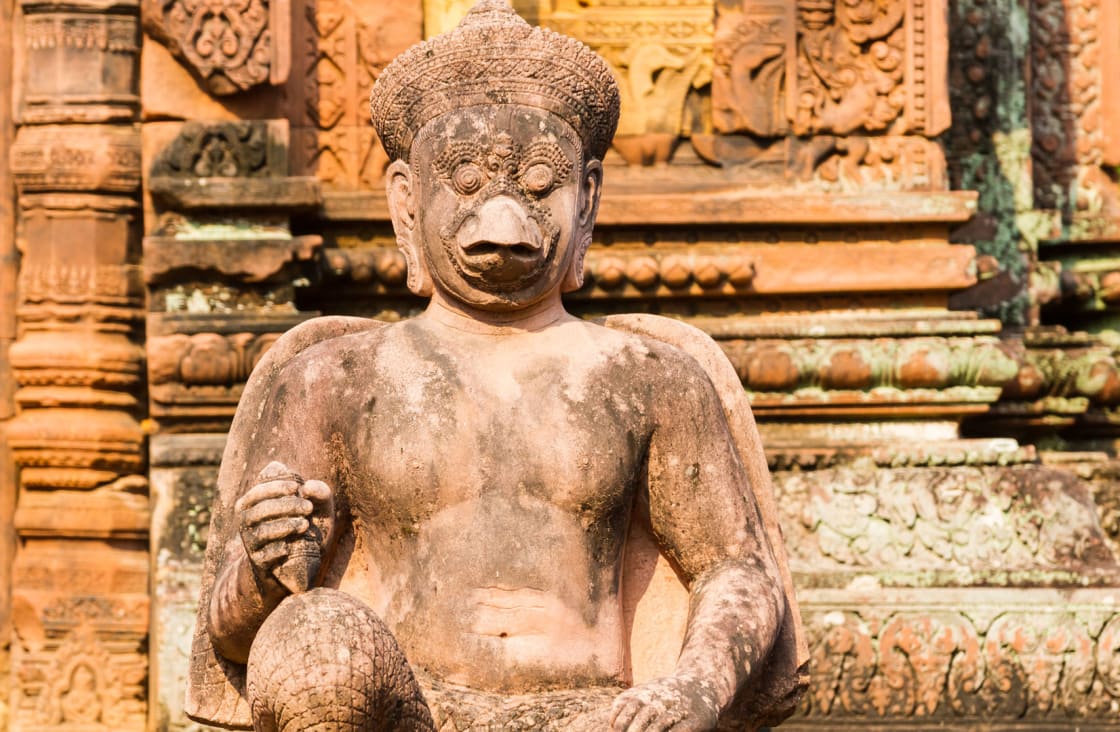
x=402, y=209
x=589, y=190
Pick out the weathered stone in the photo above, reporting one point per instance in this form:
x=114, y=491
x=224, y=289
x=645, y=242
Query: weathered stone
x=493, y=205
x=184, y=472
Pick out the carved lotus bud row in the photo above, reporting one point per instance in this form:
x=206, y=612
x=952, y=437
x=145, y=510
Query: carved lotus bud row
x=674, y=271
x=606, y=273
x=911, y=363
x=1080, y=376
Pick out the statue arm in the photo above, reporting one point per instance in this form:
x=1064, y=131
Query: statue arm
x=240, y=603
x=270, y=515
x=704, y=517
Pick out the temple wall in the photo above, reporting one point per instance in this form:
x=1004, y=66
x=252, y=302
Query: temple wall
x=899, y=218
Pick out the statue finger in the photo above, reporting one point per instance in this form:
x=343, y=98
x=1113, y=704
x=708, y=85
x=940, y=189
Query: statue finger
x=317, y=492
x=646, y=718
x=270, y=555
x=274, y=531
x=624, y=710
x=274, y=508
x=277, y=470
x=265, y=491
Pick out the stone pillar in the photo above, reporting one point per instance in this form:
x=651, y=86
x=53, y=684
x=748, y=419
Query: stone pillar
x=80, y=595
x=9, y=262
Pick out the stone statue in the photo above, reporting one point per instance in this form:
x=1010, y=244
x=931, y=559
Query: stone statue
x=475, y=489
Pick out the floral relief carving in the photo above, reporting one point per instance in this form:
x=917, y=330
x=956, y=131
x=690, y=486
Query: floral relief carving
x=233, y=45
x=991, y=663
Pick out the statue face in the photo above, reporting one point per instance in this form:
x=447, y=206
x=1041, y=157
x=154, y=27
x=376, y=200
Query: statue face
x=502, y=202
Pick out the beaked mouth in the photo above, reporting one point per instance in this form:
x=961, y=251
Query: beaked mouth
x=501, y=264
x=483, y=248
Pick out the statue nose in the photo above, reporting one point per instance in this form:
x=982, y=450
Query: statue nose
x=501, y=221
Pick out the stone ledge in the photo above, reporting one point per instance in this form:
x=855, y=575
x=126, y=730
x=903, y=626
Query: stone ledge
x=621, y=206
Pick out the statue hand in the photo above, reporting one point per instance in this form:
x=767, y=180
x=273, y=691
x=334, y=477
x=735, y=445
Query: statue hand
x=278, y=514
x=672, y=703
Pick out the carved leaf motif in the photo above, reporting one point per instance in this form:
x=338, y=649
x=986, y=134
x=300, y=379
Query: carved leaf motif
x=224, y=149
x=226, y=42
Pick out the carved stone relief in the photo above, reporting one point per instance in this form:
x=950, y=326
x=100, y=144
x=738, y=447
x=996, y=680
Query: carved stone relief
x=232, y=45
x=835, y=92
x=1033, y=659
x=661, y=55
x=341, y=48
x=976, y=522
x=225, y=150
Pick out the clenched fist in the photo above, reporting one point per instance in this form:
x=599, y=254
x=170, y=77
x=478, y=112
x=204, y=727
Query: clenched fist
x=284, y=521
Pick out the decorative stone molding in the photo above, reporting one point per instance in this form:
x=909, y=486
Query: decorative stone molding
x=77, y=158
x=81, y=61
x=841, y=364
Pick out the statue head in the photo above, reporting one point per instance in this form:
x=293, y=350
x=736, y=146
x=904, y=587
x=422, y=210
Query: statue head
x=496, y=131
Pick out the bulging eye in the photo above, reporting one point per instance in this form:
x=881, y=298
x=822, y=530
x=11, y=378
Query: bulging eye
x=538, y=178
x=467, y=179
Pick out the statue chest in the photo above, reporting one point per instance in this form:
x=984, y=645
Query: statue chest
x=420, y=451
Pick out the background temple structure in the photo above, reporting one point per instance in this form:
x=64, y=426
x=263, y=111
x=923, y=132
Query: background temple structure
x=900, y=219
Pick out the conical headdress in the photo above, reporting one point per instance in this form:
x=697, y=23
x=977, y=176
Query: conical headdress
x=495, y=57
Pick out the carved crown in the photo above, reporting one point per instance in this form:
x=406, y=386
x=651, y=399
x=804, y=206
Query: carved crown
x=495, y=57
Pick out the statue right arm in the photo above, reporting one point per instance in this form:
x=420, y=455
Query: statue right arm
x=271, y=515
x=271, y=518
x=240, y=603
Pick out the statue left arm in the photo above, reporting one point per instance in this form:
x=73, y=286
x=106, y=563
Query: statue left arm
x=705, y=519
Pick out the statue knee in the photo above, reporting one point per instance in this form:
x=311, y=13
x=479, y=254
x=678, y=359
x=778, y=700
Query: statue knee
x=324, y=662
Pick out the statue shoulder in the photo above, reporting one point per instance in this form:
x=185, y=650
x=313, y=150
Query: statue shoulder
x=323, y=340
x=316, y=332
x=694, y=347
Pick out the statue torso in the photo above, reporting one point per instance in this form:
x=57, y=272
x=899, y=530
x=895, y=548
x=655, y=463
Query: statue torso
x=489, y=482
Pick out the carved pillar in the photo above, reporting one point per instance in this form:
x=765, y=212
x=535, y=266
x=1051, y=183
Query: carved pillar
x=81, y=576
x=9, y=262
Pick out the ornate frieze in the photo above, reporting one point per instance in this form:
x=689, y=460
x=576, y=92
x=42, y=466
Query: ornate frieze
x=1028, y=659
